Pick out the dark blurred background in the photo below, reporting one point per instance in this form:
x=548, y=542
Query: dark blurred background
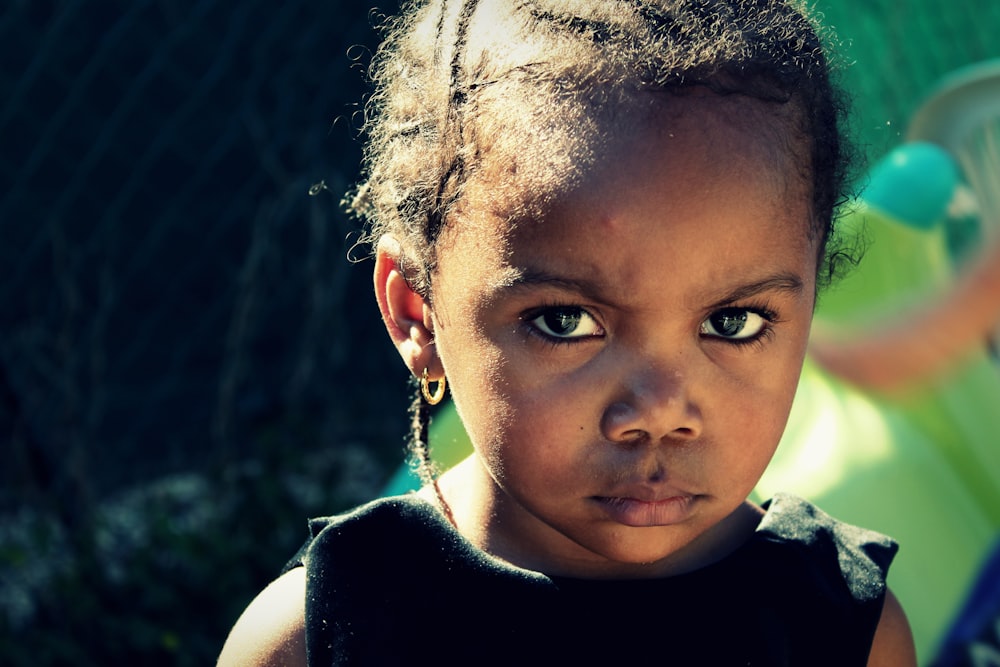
x=189, y=364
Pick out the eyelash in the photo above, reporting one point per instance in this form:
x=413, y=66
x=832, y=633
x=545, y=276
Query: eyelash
x=766, y=333
x=762, y=309
x=529, y=316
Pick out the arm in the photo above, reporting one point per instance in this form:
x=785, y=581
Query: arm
x=271, y=631
x=916, y=346
x=893, y=642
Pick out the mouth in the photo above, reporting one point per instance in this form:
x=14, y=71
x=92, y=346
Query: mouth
x=646, y=512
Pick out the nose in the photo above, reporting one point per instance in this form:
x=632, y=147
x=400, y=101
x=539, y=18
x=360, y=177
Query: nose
x=654, y=405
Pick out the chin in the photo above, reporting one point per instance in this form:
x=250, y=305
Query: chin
x=641, y=552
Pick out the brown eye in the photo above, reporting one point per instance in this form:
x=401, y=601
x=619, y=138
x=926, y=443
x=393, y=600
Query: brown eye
x=734, y=324
x=565, y=322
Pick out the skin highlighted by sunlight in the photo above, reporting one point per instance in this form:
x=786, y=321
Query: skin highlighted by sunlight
x=639, y=386
x=602, y=224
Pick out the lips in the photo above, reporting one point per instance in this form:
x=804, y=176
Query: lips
x=643, y=508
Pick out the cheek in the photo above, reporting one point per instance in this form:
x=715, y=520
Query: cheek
x=532, y=436
x=484, y=396
x=770, y=400
x=752, y=414
x=772, y=412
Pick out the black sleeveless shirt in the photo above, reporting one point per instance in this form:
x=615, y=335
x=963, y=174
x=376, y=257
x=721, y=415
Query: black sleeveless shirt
x=393, y=583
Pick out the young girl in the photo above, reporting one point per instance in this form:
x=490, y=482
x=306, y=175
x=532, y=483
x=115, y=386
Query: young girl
x=602, y=223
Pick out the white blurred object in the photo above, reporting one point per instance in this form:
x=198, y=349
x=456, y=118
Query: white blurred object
x=963, y=116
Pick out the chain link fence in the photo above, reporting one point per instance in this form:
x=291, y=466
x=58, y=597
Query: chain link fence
x=170, y=287
x=175, y=301
x=186, y=354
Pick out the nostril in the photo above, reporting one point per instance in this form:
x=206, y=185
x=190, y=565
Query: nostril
x=684, y=432
x=633, y=437
x=619, y=423
x=640, y=438
x=636, y=421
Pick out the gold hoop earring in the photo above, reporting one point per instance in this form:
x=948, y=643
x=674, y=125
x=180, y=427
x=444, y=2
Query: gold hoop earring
x=425, y=389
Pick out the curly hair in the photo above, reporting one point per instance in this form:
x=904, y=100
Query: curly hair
x=519, y=96
x=536, y=84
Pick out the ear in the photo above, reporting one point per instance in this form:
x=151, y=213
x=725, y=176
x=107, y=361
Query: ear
x=407, y=316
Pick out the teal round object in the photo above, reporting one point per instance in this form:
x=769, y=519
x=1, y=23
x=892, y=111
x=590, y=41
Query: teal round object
x=914, y=184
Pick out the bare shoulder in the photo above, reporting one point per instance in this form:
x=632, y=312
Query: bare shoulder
x=271, y=631
x=893, y=643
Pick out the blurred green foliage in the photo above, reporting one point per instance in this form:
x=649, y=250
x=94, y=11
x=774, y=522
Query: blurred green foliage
x=158, y=576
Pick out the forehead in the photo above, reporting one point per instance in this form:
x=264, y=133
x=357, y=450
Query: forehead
x=699, y=181
x=561, y=147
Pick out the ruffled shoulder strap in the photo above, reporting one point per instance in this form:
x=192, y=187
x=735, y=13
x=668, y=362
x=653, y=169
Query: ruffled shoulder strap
x=863, y=556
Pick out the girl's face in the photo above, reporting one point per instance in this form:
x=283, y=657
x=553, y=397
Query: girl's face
x=625, y=365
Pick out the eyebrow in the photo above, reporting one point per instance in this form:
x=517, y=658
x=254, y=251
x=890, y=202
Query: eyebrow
x=526, y=279
x=785, y=282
